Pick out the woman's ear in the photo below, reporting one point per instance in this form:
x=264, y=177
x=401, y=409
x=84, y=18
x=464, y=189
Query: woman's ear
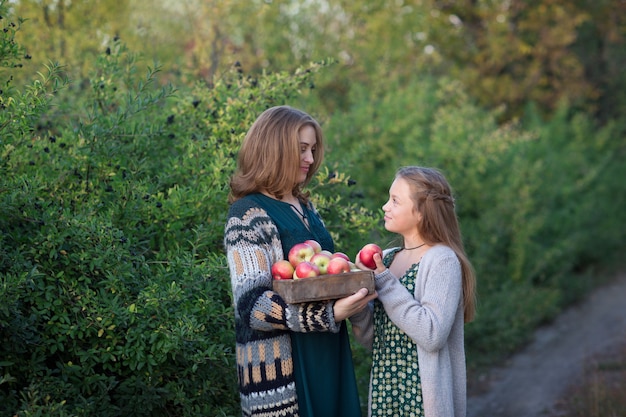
x=418, y=215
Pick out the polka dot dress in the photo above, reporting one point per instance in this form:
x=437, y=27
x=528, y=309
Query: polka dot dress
x=396, y=386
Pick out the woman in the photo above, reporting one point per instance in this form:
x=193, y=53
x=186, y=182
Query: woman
x=426, y=292
x=292, y=360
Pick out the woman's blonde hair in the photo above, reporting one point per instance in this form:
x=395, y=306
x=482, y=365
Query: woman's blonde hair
x=433, y=198
x=269, y=158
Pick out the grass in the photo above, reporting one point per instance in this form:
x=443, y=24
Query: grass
x=602, y=390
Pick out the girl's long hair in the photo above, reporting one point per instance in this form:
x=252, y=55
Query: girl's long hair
x=433, y=198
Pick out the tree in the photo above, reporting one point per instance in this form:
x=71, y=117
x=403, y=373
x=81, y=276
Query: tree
x=70, y=32
x=520, y=51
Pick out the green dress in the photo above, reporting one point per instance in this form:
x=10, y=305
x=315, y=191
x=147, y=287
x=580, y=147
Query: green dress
x=396, y=386
x=323, y=367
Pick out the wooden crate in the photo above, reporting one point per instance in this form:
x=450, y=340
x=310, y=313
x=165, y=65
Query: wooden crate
x=324, y=287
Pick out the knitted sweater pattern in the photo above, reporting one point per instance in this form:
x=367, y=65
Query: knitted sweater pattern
x=262, y=318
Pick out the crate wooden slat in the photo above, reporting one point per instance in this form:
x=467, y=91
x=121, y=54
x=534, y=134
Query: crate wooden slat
x=324, y=287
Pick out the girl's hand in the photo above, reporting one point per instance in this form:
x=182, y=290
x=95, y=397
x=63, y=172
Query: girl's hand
x=380, y=267
x=349, y=306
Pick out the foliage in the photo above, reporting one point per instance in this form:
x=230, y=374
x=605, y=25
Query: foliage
x=20, y=110
x=53, y=26
x=539, y=201
x=515, y=53
x=114, y=293
x=115, y=296
x=505, y=54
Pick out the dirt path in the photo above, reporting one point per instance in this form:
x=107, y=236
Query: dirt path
x=532, y=381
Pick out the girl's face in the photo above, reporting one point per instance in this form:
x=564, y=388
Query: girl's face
x=401, y=215
x=308, y=142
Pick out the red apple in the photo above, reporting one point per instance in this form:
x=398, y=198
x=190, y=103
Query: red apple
x=282, y=270
x=306, y=269
x=338, y=265
x=321, y=260
x=341, y=255
x=314, y=244
x=327, y=252
x=366, y=255
x=300, y=252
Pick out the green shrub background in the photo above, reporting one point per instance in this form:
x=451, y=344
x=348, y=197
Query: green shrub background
x=114, y=290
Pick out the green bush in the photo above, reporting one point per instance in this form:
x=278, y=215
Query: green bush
x=114, y=290
x=115, y=296
x=539, y=201
x=103, y=311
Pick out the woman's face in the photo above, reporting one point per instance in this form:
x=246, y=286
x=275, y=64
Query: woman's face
x=308, y=142
x=400, y=214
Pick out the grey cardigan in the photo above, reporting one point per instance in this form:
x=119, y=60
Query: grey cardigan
x=433, y=318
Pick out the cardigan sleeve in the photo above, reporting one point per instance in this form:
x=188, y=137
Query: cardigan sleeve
x=427, y=316
x=252, y=245
x=363, y=326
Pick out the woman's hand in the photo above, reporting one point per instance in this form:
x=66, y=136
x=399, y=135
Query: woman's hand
x=380, y=267
x=349, y=306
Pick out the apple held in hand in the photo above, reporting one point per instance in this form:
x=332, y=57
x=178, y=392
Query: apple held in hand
x=338, y=265
x=306, y=269
x=282, y=270
x=366, y=255
x=314, y=244
x=321, y=260
x=300, y=252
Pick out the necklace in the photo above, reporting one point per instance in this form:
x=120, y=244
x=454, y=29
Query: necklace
x=416, y=247
x=301, y=214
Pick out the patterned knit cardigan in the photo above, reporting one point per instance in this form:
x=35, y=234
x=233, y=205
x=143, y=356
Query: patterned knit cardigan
x=262, y=318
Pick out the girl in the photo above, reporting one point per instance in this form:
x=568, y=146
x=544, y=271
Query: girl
x=426, y=292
